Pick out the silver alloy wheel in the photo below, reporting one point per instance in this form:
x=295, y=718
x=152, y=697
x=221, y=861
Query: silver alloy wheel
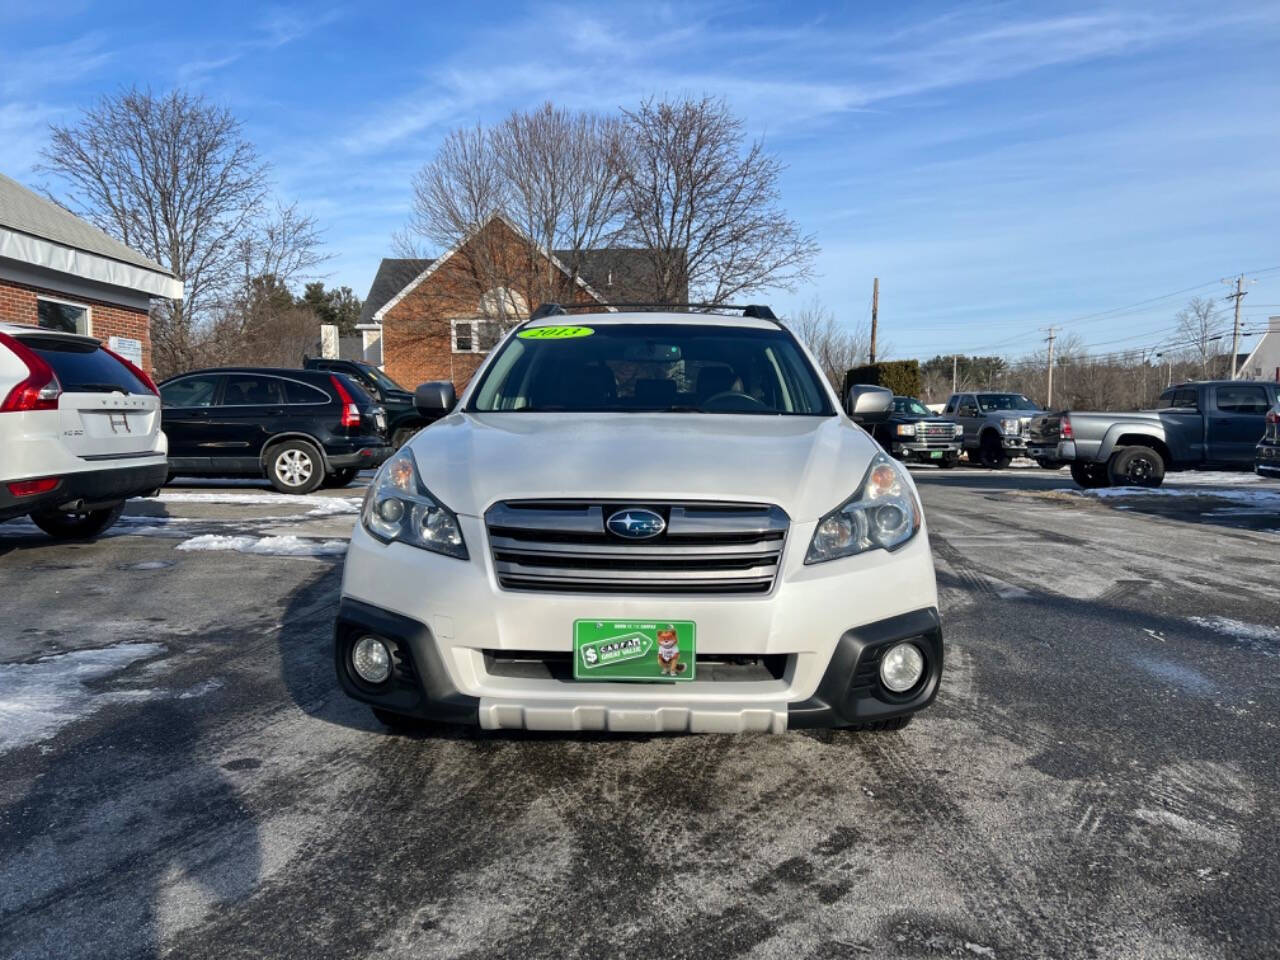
x=294, y=467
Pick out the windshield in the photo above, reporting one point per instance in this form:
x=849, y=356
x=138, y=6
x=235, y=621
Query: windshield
x=652, y=367
x=911, y=405
x=1005, y=401
x=380, y=378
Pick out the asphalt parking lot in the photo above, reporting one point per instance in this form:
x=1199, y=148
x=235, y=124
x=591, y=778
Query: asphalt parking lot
x=180, y=776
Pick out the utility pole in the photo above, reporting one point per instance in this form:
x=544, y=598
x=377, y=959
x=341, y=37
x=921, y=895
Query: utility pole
x=954, y=358
x=1049, y=404
x=1239, y=295
x=875, y=311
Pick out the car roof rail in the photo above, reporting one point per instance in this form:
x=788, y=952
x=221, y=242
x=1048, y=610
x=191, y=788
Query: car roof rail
x=548, y=310
x=756, y=311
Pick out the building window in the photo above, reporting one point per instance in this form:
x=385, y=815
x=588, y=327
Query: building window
x=475, y=336
x=64, y=316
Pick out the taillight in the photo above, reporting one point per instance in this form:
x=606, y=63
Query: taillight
x=1064, y=429
x=350, y=412
x=29, y=488
x=40, y=390
x=1273, y=417
x=136, y=370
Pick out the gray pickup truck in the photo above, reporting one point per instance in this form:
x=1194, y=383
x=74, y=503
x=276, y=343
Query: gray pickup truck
x=995, y=424
x=1214, y=423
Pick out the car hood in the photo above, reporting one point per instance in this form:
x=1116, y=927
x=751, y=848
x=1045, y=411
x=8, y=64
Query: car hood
x=806, y=465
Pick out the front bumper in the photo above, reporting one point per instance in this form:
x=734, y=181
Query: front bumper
x=1013, y=442
x=1267, y=460
x=925, y=450
x=828, y=623
x=90, y=488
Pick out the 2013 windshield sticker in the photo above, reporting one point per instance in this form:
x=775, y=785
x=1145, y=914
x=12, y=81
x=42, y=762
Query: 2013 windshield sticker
x=555, y=333
x=631, y=646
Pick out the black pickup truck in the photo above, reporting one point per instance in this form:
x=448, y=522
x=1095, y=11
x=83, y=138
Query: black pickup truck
x=1212, y=423
x=403, y=419
x=914, y=432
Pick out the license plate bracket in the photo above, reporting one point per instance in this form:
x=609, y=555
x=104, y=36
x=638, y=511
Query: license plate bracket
x=636, y=650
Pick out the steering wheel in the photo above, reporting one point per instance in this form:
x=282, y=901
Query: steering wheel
x=733, y=400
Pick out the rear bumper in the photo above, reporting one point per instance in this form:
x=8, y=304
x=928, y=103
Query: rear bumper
x=1063, y=451
x=101, y=486
x=1267, y=460
x=366, y=458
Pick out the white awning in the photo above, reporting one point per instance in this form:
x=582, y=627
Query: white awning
x=88, y=266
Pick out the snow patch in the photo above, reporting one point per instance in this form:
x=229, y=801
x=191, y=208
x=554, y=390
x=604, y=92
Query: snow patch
x=1254, y=635
x=1269, y=499
x=38, y=699
x=334, y=507
x=200, y=689
x=259, y=499
x=283, y=546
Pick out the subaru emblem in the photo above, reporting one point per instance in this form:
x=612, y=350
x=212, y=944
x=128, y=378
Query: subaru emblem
x=635, y=523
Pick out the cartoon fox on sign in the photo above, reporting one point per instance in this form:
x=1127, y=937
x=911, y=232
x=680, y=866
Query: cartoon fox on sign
x=669, y=652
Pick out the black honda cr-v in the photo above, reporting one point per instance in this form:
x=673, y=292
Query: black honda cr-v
x=298, y=428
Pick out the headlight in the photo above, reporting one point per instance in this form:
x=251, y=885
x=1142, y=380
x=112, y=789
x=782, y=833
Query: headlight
x=959, y=429
x=398, y=507
x=1011, y=426
x=883, y=513
x=906, y=429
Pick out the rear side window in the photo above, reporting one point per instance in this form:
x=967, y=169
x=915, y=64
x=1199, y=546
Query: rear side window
x=252, y=390
x=1185, y=398
x=1243, y=399
x=83, y=367
x=296, y=392
x=189, y=392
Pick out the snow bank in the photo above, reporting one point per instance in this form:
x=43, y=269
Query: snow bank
x=285, y=546
x=38, y=699
x=1262, y=498
x=334, y=507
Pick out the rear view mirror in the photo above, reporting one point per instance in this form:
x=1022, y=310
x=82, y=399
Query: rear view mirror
x=435, y=398
x=867, y=403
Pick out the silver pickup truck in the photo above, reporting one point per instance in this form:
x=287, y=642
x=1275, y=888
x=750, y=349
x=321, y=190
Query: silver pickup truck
x=1196, y=425
x=995, y=424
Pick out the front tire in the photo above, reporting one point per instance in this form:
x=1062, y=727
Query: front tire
x=77, y=526
x=949, y=462
x=295, y=467
x=992, y=453
x=402, y=436
x=1136, y=467
x=1090, y=476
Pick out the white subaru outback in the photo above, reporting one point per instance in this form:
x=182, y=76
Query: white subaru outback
x=642, y=522
x=79, y=431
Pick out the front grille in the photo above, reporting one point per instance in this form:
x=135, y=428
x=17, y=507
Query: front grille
x=706, y=548
x=935, y=431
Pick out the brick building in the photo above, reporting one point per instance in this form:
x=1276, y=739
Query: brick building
x=58, y=271
x=436, y=319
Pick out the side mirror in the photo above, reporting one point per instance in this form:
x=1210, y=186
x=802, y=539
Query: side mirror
x=435, y=398
x=869, y=404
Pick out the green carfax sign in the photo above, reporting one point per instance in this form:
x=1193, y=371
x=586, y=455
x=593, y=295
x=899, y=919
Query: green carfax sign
x=555, y=333
x=633, y=650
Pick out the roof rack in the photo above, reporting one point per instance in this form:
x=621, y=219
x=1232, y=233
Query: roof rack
x=757, y=311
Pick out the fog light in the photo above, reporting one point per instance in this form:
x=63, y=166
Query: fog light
x=902, y=667
x=371, y=660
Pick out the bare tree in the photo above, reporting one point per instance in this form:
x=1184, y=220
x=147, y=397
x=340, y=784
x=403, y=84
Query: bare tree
x=704, y=203
x=836, y=346
x=171, y=176
x=1198, y=329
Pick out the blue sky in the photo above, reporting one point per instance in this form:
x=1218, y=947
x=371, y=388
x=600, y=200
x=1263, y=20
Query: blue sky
x=1000, y=167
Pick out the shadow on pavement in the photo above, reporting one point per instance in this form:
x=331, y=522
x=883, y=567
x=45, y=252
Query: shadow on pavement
x=125, y=832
